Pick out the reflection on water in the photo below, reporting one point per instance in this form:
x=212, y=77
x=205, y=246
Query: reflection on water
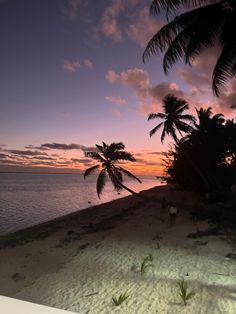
x=27, y=199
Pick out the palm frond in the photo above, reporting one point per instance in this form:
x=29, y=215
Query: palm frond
x=101, y=181
x=163, y=134
x=116, y=178
x=156, y=115
x=90, y=170
x=99, y=147
x=171, y=131
x=183, y=127
x=188, y=117
x=176, y=50
x=181, y=107
x=95, y=156
x=129, y=174
x=122, y=155
x=154, y=130
x=225, y=67
x=173, y=5
x=117, y=146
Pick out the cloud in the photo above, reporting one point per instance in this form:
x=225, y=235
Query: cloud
x=227, y=100
x=117, y=100
x=44, y=158
x=68, y=146
x=109, y=20
x=76, y=9
x=83, y=161
x=35, y=147
x=3, y=156
x=116, y=113
x=147, y=162
x=159, y=91
x=62, y=146
x=149, y=96
x=88, y=63
x=71, y=66
x=156, y=153
x=136, y=79
x=26, y=153
x=143, y=27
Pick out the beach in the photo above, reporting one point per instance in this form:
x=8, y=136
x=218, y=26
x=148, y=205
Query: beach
x=80, y=261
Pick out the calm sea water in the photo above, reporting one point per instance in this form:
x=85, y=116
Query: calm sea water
x=28, y=199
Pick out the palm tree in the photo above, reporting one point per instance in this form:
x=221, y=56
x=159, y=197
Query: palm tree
x=108, y=156
x=174, y=118
x=207, y=121
x=208, y=23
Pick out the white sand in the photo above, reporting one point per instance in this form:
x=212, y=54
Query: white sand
x=64, y=277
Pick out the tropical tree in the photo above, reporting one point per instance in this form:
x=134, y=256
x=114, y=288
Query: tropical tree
x=174, y=118
x=205, y=23
x=107, y=157
x=211, y=146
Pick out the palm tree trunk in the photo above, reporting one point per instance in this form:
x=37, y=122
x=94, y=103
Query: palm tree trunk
x=132, y=192
x=144, y=197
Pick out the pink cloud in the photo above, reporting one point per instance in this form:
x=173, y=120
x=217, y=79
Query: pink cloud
x=88, y=63
x=109, y=20
x=71, y=66
x=143, y=27
x=116, y=113
x=72, y=9
x=117, y=100
x=149, y=96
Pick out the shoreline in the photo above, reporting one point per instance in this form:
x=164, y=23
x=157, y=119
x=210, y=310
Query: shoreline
x=96, y=254
x=56, y=223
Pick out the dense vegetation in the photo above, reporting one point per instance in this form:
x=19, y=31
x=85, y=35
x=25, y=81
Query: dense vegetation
x=205, y=158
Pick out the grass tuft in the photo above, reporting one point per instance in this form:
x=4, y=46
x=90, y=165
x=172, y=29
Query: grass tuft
x=184, y=294
x=122, y=297
x=146, y=263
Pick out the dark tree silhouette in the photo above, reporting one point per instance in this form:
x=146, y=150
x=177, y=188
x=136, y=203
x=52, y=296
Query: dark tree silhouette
x=205, y=23
x=173, y=118
x=108, y=156
x=211, y=145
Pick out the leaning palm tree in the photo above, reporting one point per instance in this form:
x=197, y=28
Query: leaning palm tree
x=205, y=23
x=108, y=156
x=173, y=118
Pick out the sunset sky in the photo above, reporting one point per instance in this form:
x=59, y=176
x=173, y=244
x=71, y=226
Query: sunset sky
x=72, y=75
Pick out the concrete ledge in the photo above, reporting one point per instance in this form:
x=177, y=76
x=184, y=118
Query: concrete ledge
x=14, y=306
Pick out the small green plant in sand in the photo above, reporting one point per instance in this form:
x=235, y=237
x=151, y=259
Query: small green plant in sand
x=146, y=263
x=122, y=297
x=184, y=293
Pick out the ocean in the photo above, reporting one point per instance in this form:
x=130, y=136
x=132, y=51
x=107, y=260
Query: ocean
x=28, y=199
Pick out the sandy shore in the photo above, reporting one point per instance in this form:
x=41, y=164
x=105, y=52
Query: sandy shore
x=79, y=262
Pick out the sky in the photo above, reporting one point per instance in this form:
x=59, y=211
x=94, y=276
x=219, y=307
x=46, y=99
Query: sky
x=72, y=76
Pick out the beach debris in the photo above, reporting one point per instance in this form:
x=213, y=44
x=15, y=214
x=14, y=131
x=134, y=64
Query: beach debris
x=201, y=242
x=133, y=268
x=146, y=263
x=17, y=277
x=231, y=256
x=183, y=293
x=122, y=297
x=83, y=246
x=90, y=294
x=226, y=275
x=204, y=233
x=70, y=233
